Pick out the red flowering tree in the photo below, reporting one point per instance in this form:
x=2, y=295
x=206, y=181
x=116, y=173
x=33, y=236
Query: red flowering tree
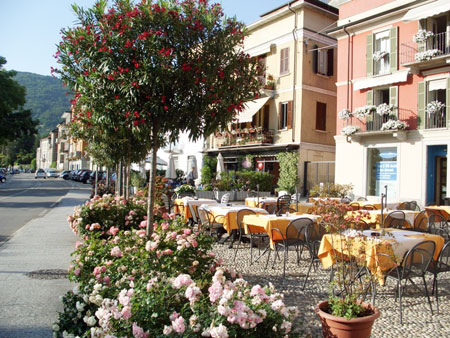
x=156, y=69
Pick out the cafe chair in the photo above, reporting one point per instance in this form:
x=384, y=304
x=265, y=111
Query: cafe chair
x=283, y=200
x=194, y=215
x=207, y=222
x=441, y=265
x=313, y=235
x=284, y=209
x=368, y=207
x=421, y=222
x=395, y=219
x=270, y=207
x=361, y=199
x=355, y=206
x=241, y=233
x=438, y=225
x=411, y=205
x=415, y=264
x=295, y=236
x=346, y=200
x=225, y=198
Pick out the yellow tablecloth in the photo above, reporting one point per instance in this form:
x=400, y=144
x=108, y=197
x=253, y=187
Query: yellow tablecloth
x=367, y=250
x=227, y=215
x=443, y=210
x=181, y=209
x=303, y=207
x=373, y=217
x=266, y=223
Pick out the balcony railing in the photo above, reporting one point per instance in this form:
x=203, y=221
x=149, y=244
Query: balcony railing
x=244, y=137
x=432, y=47
x=436, y=120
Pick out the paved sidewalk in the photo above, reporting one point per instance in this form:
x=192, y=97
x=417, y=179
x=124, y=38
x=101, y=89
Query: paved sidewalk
x=29, y=304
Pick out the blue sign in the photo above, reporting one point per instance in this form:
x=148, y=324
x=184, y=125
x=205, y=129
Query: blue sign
x=386, y=171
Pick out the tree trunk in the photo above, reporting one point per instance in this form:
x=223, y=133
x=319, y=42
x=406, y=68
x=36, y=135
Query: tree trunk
x=119, y=179
x=107, y=180
x=96, y=180
x=151, y=192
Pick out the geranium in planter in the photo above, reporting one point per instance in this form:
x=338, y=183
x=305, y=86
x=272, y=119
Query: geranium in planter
x=185, y=189
x=394, y=125
x=422, y=35
x=385, y=109
x=345, y=314
x=362, y=112
x=434, y=107
x=349, y=130
x=345, y=114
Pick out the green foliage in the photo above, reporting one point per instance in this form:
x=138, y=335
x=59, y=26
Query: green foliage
x=53, y=165
x=184, y=188
x=15, y=121
x=208, y=169
x=136, y=179
x=33, y=164
x=331, y=190
x=347, y=308
x=288, y=178
x=247, y=180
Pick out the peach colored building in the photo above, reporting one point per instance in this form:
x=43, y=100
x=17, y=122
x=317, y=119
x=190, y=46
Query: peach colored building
x=296, y=111
x=394, y=73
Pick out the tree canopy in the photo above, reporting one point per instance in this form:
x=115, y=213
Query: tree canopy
x=15, y=122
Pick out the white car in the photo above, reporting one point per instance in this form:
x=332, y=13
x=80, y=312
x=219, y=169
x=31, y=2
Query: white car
x=40, y=173
x=52, y=173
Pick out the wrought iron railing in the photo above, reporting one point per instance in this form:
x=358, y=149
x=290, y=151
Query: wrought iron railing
x=244, y=137
x=436, y=120
x=436, y=45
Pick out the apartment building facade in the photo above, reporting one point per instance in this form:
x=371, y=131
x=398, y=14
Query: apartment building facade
x=296, y=110
x=393, y=98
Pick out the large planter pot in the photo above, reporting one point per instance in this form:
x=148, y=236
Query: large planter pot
x=204, y=194
x=333, y=326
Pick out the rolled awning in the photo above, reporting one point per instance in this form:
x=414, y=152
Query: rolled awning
x=428, y=10
x=251, y=108
x=437, y=84
x=377, y=81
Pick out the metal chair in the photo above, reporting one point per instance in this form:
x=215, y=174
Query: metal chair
x=225, y=198
x=271, y=208
x=346, y=200
x=395, y=219
x=441, y=265
x=194, y=220
x=421, y=222
x=208, y=221
x=295, y=236
x=437, y=225
x=284, y=209
x=283, y=200
x=368, y=207
x=355, y=206
x=362, y=198
x=411, y=205
x=415, y=264
x=313, y=236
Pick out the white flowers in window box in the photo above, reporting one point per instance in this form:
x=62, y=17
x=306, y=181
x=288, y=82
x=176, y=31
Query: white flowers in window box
x=385, y=109
x=394, y=125
x=422, y=35
x=427, y=55
x=378, y=55
x=362, y=112
x=434, y=107
x=349, y=130
x=345, y=114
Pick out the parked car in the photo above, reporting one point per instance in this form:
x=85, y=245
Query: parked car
x=52, y=173
x=84, y=176
x=2, y=177
x=64, y=174
x=91, y=179
x=40, y=173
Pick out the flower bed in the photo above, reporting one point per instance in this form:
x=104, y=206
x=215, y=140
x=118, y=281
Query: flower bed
x=168, y=285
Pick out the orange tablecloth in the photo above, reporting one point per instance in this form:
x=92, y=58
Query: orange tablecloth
x=181, y=208
x=303, y=207
x=265, y=223
x=443, y=210
x=227, y=214
x=373, y=217
x=367, y=249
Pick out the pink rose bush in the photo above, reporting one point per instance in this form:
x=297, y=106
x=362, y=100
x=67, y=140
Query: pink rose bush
x=170, y=284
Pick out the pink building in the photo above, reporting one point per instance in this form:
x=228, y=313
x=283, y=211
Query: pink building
x=393, y=98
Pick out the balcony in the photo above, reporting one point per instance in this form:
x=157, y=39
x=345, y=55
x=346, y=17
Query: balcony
x=434, y=51
x=244, y=137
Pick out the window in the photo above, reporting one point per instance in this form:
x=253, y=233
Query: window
x=283, y=115
x=284, y=61
x=321, y=116
x=381, y=49
x=436, y=91
x=382, y=171
x=323, y=60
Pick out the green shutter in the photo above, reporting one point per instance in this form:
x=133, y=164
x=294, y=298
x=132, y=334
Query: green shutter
x=393, y=57
x=447, y=103
x=393, y=99
x=421, y=105
x=369, y=55
x=369, y=101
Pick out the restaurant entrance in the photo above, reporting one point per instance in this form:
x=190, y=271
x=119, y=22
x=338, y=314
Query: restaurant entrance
x=437, y=174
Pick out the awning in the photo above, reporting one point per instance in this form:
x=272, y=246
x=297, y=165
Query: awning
x=425, y=11
x=437, y=84
x=258, y=50
x=382, y=80
x=251, y=108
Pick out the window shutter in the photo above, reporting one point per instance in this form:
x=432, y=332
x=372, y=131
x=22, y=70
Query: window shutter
x=321, y=116
x=369, y=55
x=393, y=57
x=421, y=105
x=282, y=61
x=280, y=110
x=393, y=99
x=330, y=55
x=265, y=123
x=286, y=62
x=289, y=115
x=369, y=101
x=447, y=102
x=315, y=58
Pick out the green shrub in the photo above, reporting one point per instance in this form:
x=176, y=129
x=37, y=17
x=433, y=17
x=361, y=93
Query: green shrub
x=136, y=179
x=208, y=169
x=288, y=171
x=247, y=180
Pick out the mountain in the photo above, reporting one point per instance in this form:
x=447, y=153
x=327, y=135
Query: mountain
x=46, y=97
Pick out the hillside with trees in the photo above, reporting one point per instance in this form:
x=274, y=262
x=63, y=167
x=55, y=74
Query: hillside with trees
x=46, y=98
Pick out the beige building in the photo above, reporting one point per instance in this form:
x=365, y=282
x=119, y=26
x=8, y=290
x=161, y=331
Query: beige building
x=46, y=153
x=297, y=108
x=62, y=162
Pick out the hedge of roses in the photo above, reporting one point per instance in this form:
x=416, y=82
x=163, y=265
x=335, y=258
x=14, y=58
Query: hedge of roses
x=167, y=285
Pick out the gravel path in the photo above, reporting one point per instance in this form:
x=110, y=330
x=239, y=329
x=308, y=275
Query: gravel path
x=417, y=318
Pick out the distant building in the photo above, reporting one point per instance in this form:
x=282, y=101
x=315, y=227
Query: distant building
x=46, y=153
x=62, y=158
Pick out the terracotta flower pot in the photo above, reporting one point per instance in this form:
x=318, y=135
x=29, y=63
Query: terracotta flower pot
x=333, y=326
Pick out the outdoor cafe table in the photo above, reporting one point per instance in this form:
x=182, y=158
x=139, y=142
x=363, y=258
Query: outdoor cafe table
x=443, y=210
x=226, y=214
x=265, y=223
x=389, y=205
x=303, y=207
x=373, y=217
x=182, y=205
x=367, y=248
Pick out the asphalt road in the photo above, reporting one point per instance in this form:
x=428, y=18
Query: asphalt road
x=23, y=198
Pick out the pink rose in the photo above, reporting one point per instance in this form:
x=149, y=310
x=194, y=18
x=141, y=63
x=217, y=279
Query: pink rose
x=182, y=280
x=113, y=230
x=126, y=312
x=178, y=325
x=115, y=252
x=77, y=271
x=143, y=224
x=78, y=244
x=138, y=332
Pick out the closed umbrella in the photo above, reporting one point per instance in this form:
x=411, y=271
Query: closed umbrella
x=194, y=165
x=170, y=172
x=220, y=166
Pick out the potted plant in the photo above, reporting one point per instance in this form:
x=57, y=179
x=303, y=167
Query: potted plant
x=184, y=188
x=270, y=84
x=345, y=314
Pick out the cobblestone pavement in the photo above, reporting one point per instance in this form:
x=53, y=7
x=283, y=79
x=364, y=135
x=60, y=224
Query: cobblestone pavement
x=417, y=318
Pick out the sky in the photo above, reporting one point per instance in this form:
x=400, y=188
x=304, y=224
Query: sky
x=29, y=29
